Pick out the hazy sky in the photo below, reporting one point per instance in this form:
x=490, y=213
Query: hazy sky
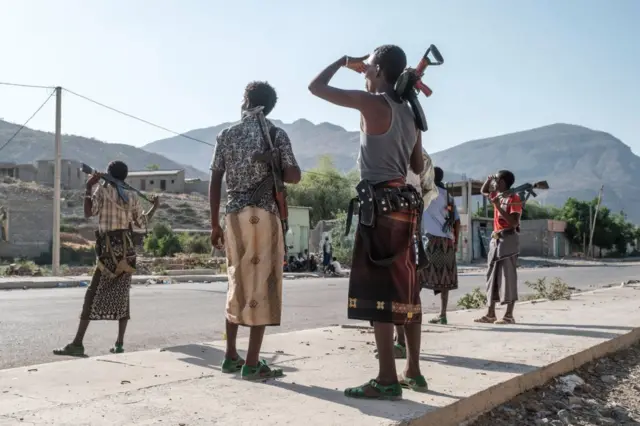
x=509, y=65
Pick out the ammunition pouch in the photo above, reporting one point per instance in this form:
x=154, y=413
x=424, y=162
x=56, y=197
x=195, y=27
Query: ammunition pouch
x=383, y=200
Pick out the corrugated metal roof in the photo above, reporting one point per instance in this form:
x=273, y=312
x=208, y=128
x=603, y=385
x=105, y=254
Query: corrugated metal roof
x=141, y=173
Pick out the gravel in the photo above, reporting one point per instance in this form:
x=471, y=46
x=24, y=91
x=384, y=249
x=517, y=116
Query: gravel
x=603, y=392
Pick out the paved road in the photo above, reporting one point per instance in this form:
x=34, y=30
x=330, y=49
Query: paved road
x=33, y=322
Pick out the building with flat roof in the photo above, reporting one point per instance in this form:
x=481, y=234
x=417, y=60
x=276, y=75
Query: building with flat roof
x=158, y=180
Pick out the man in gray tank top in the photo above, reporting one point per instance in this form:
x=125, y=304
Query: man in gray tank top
x=383, y=285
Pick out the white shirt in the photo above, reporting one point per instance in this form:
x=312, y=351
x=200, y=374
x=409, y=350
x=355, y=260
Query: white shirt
x=336, y=266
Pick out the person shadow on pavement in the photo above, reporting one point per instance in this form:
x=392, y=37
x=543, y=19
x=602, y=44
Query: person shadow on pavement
x=209, y=356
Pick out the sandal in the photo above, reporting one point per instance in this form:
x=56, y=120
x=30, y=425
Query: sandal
x=117, y=349
x=230, y=366
x=417, y=384
x=485, y=320
x=399, y=351
x=506, y=320
x=70, y=350
x=389, y=393
x=438, y=320
x=260, y=372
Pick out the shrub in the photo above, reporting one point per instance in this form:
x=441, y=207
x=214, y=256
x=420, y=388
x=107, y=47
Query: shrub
x=162, y=241
x=556, y=290
x=474, y=300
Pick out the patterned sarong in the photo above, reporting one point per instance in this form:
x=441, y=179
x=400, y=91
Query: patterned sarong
x=255, y=252
x=107, y=297
x=441, y=272
x=386, y=294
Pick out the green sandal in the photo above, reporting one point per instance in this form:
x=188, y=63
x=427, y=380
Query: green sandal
x=417, y=384
x=70, y=350
x=260, y=372
x=230, y=366
x=117, y=349
x=438, y=320
x=387, y=393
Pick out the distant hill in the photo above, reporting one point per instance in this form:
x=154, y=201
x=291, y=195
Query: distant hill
x=32, y=145
x=574, y=159
x=309, y=141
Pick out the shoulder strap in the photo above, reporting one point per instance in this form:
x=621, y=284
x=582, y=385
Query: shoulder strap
x=272, y=134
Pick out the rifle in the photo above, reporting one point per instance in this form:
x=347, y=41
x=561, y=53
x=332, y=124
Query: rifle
x=279, y=190
x=526, y=190
x=120, y=186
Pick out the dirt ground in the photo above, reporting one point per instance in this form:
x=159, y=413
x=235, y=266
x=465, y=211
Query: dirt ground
x=603, y=392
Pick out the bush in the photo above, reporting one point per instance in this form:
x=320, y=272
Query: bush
x=195, y=244
x=556, y=290
x=162, y=241
x=474, y=300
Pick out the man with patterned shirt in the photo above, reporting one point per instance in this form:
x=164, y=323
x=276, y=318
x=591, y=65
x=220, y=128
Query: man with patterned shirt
x=253, y=229
x=107, y=297
x=504, y=247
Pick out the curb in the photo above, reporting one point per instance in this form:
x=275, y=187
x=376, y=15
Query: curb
x=136, y=280
x=468, y=409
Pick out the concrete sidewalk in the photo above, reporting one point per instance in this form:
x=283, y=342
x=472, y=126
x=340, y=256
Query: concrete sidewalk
x=470, y=368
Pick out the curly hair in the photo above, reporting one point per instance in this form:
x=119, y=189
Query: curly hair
x=118, y=170
x=508, y=178
x=438, y=174
x=392, y=60
x=260, y=93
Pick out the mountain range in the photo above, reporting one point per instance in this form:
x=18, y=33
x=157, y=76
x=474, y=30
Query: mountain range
x=31, y=145
x=575, y=160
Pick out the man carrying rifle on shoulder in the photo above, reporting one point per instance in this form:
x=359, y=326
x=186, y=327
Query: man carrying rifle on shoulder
x=504, y=248
x=256, y=157
x=118, y=208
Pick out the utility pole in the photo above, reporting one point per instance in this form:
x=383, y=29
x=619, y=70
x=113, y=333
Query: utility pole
x=595, y=219
x=55, y=266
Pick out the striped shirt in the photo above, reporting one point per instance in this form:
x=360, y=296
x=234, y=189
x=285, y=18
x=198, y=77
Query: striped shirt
x=113, y=214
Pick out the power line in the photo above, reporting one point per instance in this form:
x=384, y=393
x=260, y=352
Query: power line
x=27, y=122
x=31, y=86
x=138, y=118
x=161, y=127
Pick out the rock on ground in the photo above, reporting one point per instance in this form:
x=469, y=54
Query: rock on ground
x=607, y=394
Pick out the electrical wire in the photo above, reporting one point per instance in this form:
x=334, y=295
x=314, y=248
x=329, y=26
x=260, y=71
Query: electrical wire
x=27, y=122
x=161, y=127
x=142, y=120
x=31, y=86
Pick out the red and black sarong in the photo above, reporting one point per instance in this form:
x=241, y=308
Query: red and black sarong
x=386, y=293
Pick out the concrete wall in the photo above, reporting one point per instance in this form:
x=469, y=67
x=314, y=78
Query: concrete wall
x=24, y=172
x=30, y=228
x=299, y=221
x=543, y=238
x=196, y=185
x=153, y=181
x=70, y=175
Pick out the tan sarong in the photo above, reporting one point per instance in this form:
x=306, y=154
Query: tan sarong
x=255, y=252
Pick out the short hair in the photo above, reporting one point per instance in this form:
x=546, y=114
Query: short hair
x=118, y=170
x=438, y=174
x=507, y=177
x=260, y=93
x=392, y=60
x=335, y=258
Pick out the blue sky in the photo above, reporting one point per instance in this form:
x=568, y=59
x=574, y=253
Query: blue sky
x=509, y=65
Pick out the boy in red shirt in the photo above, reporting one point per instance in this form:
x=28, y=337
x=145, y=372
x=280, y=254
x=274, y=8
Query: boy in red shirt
x=504, y=248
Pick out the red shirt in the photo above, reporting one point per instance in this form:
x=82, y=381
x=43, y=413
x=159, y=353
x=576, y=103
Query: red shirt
x=510, y=205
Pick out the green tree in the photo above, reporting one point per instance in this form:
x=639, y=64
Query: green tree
x=343, y=245
x=324, y=189
x=153, y=167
